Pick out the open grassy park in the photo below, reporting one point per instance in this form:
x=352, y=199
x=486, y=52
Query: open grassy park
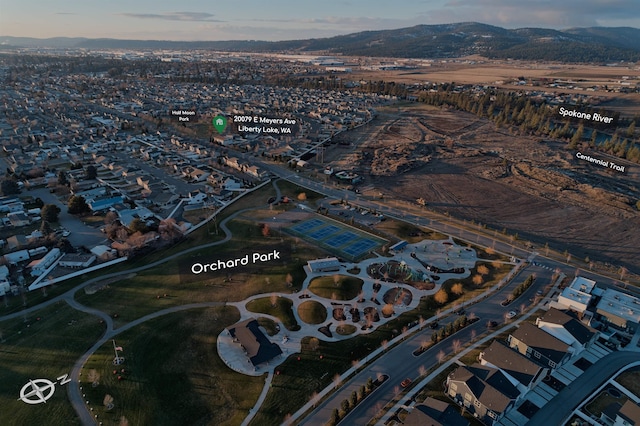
x=313, y=369
x=162, y=287
x=43, y=345
x=338, y=287
x=277, y=306
x=172, y=374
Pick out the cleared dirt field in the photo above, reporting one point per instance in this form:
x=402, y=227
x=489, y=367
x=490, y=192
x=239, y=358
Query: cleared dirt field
x=467, y=167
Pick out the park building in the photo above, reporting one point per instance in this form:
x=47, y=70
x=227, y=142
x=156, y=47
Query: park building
x=258, y=348
x=330, y=264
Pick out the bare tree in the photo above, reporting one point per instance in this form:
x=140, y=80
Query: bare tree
x=93, y=377
x=108, y=402
x=456, y=345
x=440, y=356
x=314, y=343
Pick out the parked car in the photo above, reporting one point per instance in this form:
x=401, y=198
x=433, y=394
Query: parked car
x=434, y=325
x=511, y=314
x=406, y=382
x=492, y=324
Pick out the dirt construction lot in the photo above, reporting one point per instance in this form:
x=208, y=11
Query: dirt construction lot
x=467, y=167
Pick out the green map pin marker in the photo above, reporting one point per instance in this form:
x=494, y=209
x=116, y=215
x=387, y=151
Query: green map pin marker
x=220, y=123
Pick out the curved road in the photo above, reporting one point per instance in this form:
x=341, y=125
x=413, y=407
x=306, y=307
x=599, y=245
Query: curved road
x=557, y=411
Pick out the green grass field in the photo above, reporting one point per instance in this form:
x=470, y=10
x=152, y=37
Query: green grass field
x=346, y=288
x=300, y=379
x=173, y=374
x=279, y=307
x=145, y=293
x=44, y=348
x=312, y=312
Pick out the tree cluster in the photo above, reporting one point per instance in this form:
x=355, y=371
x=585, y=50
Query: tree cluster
x=521, y=288
x=446, y=331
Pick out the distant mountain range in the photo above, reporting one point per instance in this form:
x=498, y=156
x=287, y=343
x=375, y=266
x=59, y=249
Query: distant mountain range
x=596, y=44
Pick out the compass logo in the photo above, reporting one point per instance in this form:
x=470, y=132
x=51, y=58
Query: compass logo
x=38, y=391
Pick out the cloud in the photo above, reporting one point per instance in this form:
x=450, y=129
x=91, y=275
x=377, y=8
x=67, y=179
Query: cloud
x=174, y=16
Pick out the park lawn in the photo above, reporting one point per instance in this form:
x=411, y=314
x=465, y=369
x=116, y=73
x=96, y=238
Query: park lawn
x=471, y=289
x=408, y=232
x=269, y=325
x=42, y=349
x=346, y=329
x=602, y=401
x=347, y=287
x=631, y=380
x=300, y=379
x=277, y=306
x=312, y=312
x=292, y=190
x=173, y=374
x=145, y=293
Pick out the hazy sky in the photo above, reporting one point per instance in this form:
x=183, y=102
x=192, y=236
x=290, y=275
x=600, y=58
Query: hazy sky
x=291, y=19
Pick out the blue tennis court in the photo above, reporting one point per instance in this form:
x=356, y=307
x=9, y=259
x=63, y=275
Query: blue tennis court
x=338, y=238
x=360, y=247
x=324, y=232
x=307, y=225
x=341, y=239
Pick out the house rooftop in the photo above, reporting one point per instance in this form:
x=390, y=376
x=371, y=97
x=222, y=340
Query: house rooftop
x=620, y=304
x=581, y=332
x=511, y=362
x=543, y=342
x=489, y=385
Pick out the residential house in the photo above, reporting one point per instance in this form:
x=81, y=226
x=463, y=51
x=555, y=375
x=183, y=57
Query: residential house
x=15, y=242
x=39, y=266
x=434, y=412
x=567, y=328
x=539, y=345
x=521, y=371
x=73, y=260
x=616, y=414
x=484, y=391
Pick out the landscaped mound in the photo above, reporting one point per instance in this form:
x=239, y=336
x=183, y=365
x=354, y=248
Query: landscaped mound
x=312, y=312
x=336, y=287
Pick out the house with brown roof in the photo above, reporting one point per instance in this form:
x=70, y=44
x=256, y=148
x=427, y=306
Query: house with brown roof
x=434, y=412
x=484, y=391
x=566, y=327
x=523, y=372
x=616, y=414
x=539, y=345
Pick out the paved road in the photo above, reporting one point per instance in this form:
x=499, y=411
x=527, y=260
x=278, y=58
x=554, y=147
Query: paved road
x=558, y=410
x=81, y=234
x=400, y=363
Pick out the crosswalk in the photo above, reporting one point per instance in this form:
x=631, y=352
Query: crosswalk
x=549, y=268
